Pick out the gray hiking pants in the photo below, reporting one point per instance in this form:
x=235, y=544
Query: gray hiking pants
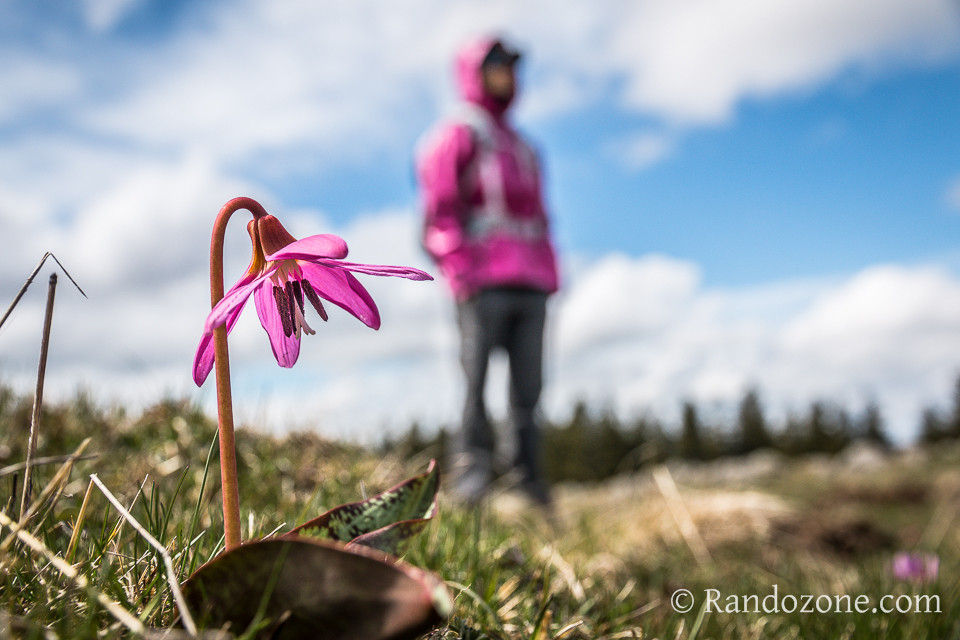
x=513, y=319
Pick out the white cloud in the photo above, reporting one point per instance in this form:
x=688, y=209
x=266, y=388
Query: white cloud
x=114, y=218
x=637, y=334
x=31, y=82
x=138, y=250
x=885, y=332
x=612, y=298
x=266, y=76
x=695, y=61
x=888, y=325
x=342, y=80
x=154, y=225
x=125, y=192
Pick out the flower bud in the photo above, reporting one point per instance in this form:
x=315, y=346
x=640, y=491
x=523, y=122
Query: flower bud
x=273, y=236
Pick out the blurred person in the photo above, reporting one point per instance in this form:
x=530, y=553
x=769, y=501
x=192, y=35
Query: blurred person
x=486, y=228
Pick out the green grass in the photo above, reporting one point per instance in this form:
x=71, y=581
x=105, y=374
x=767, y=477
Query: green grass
x=603, y=568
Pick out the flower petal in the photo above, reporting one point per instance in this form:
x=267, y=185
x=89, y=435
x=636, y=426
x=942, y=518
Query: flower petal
x=286, y=349
x=203, y=360
x=227, y=311
x=324, y=245
x=235, y=297
x=376, y=269
x=340, y=287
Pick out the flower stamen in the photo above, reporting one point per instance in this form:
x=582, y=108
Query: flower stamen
x=314, y=299
x=302, y=322
x=291, y=305
x=283, y=308
x=297, y=293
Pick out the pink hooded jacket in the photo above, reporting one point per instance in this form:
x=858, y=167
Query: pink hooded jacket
x=485, y=222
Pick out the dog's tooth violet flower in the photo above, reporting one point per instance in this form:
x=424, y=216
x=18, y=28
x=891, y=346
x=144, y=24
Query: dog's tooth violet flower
x=286, y=274
x=916, y=566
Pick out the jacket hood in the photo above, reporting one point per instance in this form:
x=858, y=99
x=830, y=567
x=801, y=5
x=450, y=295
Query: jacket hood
x=470, y=77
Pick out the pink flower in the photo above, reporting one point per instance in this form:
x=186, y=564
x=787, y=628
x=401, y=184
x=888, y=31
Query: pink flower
x=916, y=567
x=284, y=275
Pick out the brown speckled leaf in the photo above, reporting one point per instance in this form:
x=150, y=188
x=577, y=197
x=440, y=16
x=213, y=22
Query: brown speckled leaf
x=384, y=521
x=307, y=588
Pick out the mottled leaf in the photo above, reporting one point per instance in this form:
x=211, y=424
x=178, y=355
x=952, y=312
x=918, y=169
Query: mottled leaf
x=292, y=588
x=384, y=521
x=390, y=539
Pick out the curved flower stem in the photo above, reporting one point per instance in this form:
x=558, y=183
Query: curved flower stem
x=228, y=453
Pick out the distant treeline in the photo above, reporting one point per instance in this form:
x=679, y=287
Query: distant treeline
x=593, y=445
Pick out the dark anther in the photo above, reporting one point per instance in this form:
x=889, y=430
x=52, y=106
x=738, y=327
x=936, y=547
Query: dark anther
x=314, y=299
x=297, y=293
x=283, y=308
x=291, y=302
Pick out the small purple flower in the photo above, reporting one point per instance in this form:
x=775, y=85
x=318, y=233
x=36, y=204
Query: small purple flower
x=915, y=566
x=284, y=275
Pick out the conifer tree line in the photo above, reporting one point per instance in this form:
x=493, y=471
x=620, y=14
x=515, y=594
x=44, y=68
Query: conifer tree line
x=594, y=445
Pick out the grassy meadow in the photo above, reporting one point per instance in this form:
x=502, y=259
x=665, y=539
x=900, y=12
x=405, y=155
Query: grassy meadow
x=603, y=566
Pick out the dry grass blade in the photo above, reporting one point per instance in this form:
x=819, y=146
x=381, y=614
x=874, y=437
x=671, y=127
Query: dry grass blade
x=633, y=615
x=20, y=466
x=24, y=288
x=29, y=280
x=67, y=273
x=632, y=633
x=176, y=634
x=551, y=555
x=567, y=629
x=75, y=536
x=691, y=535
x=115, y=534
x=167, y=561
x=53, y=486
x=123, y=616
x=473, y=595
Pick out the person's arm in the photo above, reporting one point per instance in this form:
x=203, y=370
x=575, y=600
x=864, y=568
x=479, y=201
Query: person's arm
x=440, y=168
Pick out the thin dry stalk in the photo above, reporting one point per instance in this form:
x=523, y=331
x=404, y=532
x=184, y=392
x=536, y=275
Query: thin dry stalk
x=167, y=561
x=567, y=629
x=123, y=616
x=38, y=397
x=634, y=634
x=29, y=280
x=688, y=529
x=11, y=501
x=566, y=572
x=20, y=466
x=114, y=536
x=81, y=516
x=62, y=474
x=636, y=613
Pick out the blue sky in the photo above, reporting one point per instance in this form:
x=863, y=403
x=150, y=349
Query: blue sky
x=834, y=179
x=745, y=193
